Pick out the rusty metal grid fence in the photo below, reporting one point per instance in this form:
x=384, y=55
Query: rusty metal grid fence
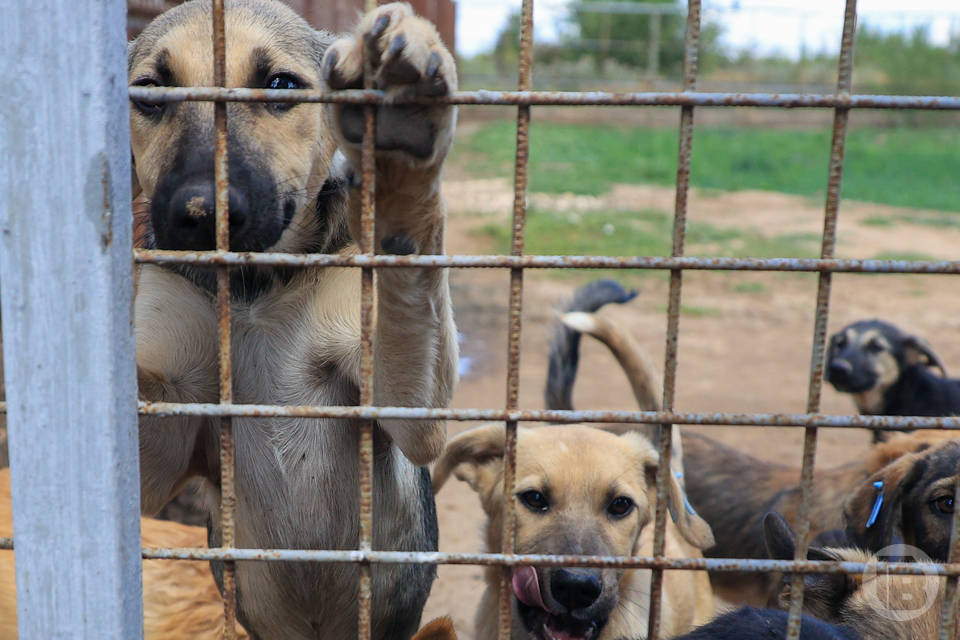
x=842, y=101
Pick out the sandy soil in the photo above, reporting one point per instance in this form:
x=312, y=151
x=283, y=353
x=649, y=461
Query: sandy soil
x=749, y=353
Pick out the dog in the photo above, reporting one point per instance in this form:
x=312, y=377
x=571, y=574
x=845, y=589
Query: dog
x=732, y=490
x=909, y=501
x=912, y=605
x=872, y=606
x=888, y=372
x=180, y=597
x=580, y=491
x=296, y=332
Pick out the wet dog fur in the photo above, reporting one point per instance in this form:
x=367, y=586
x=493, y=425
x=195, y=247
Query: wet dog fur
x=572, y=484
x=296, y=332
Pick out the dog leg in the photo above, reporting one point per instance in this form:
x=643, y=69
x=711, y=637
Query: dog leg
x=415, y=348
x=176, y=362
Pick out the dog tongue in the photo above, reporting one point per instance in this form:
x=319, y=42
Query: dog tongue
x=527, y=588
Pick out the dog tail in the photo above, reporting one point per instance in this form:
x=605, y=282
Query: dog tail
x=565, y=345
x=640, y=372
x=633, y=359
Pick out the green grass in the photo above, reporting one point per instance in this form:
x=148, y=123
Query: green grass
x=907, y=256
x=691, y=310
x=878, y=221
x=902, y=167
x=750, y=287
x=641, y=233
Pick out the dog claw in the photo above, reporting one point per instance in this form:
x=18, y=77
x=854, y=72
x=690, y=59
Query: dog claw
x=433, y=66
x=380, y=26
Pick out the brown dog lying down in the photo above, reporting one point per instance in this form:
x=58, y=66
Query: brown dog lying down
x=180, y=597
x=580, y=491
x=732, y=490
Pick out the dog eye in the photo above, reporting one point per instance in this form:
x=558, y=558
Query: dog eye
x=283, y=81
x=875, y=346
x=840, y=341
x=151, y=110
x=535, y=501
x=620, y=506
x=944, y=505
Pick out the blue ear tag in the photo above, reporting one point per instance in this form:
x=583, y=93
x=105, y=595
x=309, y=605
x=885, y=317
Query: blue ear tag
x=877, y=504
x=686, y=502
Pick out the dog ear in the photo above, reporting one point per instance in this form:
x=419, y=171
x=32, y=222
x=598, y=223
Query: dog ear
x=439, y=629
x=778, y=537
x=918, y=351
x=873, y=513
x=825, y=592
x=692, y=527
x=474, y=456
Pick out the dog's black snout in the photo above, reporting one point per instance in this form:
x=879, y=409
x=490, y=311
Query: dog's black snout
x=839, y=370
x=575, y=588
x=191, y=215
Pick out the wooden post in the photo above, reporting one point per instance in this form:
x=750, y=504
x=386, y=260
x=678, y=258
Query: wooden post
x=65, y=259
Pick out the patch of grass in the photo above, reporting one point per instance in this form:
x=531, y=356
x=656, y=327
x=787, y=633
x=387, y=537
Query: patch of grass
x=938, y=221
x=906, y=256
x=877, y=221
x=750, y=287
x=901, y=167
x=692, y=310
x=640, y=233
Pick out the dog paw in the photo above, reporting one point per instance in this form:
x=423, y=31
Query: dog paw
x=405, y=58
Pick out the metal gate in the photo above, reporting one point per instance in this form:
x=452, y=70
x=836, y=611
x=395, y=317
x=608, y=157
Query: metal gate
x=66, y=274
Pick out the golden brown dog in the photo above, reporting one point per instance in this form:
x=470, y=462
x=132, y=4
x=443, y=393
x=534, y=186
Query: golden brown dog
x=296, y=333
x=580, y=491
x=180, y=598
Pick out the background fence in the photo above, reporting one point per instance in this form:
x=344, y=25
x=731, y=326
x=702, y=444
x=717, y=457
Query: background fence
x=69, y=351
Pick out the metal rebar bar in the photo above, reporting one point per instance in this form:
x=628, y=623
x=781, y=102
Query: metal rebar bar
x=834, y=181
x=222, y=218
x=685, y=148
x=558, y=98
x=368, y=169
x=521, y=162
x=854, y=421
x=154, y=256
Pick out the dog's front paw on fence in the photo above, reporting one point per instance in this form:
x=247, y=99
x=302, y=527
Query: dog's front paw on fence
x=406, y=59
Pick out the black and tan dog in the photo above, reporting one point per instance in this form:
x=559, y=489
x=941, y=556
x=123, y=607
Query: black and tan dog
x=909, y=501
x=580, y=491
x=888, y=372
x=296, y=333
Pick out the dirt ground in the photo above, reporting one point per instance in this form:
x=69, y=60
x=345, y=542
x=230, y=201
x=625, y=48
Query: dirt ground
x=747, y=350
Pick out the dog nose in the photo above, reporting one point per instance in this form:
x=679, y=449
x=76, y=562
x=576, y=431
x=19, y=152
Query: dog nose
x=192, y=217
x=839, y=369
x=575, y=588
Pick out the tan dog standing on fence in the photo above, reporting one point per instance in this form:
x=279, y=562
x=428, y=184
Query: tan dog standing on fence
x=296, y=332
x=581, y=491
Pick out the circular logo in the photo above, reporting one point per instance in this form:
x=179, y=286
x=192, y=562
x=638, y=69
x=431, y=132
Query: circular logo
x=899, y=597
